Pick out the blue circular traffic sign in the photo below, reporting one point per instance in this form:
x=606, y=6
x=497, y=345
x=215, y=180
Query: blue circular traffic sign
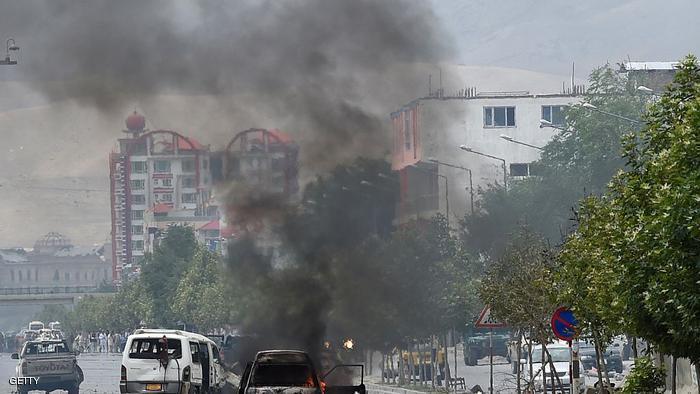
x=564, y=324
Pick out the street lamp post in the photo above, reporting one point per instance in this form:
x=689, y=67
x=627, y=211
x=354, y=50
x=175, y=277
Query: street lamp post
x=596, y=109
x=502, y=160
x=510, y=139
x=11, y=45
x=471, y=185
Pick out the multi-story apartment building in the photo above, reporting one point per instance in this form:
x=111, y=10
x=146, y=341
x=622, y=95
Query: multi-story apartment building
x=161, y=177
x=501, y=133
x=157, y=178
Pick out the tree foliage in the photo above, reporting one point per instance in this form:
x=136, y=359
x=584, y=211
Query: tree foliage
x=519, y=285
x=641, y=241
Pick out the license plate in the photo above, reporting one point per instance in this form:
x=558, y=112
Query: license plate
x=153, y=387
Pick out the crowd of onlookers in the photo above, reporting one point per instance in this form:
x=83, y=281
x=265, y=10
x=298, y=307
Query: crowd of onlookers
x=100, y=342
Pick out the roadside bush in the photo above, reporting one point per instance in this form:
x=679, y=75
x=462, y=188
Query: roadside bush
x=645, y=378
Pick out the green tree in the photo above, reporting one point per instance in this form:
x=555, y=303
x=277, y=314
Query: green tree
x=636, y=250
x=519, y=285
x=201, y=296
x=161, y=271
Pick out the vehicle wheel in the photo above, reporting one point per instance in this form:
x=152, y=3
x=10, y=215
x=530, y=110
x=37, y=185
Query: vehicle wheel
x=472, y=357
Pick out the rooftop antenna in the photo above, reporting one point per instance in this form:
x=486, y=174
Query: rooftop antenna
x=430, y=85
x=440, y=82
x=573, y=71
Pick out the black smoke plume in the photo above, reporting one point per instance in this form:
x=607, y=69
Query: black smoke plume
x=327, y=71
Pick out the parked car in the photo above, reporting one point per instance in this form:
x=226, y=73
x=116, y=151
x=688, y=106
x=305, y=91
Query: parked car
x=51, y=362
x=613, y=358
x=170, y=361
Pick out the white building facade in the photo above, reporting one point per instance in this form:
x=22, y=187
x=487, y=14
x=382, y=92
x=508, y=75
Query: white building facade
x=428, y=133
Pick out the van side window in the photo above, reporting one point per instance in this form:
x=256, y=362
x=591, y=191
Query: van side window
x=194, y=349
x=215, y=353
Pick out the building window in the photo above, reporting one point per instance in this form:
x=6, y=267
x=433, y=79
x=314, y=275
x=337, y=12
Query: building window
x=138, y=245
x=77, y=276
x=137, y=215
x=499, y=116
x=167, y=182
x=167, y=197
x=161, y=166
x=554, y=114
x=138, y=184
x=189, y=197
x=20, y=275
x=139, y=167
x=189, y=182
x=85, y=276
x=137, y=230
x=205, y=164
x=523, y=169
x=29, y=276
x=188, y=165
x=138, y=199
x=12, y=275
x=36, y=274
x=66, y=276
x=55, y=276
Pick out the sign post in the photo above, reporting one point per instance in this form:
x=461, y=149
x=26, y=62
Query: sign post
x=486, y=320
x=565, y=327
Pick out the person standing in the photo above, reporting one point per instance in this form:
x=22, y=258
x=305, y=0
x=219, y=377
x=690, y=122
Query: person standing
x=103, y=342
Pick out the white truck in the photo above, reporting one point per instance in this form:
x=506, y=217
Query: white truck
x=47, y=365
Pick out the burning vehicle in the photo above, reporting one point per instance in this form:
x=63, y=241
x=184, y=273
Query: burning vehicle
x=281, y=371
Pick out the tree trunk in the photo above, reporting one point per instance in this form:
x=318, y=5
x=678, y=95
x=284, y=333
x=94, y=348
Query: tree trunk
x=635, y=351
x=393, y=371
x=673, y=374
x=400, y=362
x=518, y=367
x=383, y=365
x=433, y=362
x=447, y=365
x=601, y=357
x=529, y=360
x=421, y=365
x=554, y=373
x=697, y=374
x=371, y=357
x=598, y=367
x=542, y=370
x=411, y=365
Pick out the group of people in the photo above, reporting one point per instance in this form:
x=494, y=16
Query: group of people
x=100, y=342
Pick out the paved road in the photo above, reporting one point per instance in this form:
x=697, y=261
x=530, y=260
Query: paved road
x=101, y=373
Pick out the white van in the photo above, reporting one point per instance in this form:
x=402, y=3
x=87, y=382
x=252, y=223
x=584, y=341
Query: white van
x=170, y=361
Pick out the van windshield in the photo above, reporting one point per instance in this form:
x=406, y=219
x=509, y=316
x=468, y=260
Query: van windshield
x=559, y=355
x=150, y=348
x=294, y=375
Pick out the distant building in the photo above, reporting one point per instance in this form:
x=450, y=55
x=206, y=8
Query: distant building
x=428, y=132
x=157, y=178
x=654, y=75
x=54, y=262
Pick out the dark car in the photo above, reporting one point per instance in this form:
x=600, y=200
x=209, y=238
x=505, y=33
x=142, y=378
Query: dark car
x=613, y=359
